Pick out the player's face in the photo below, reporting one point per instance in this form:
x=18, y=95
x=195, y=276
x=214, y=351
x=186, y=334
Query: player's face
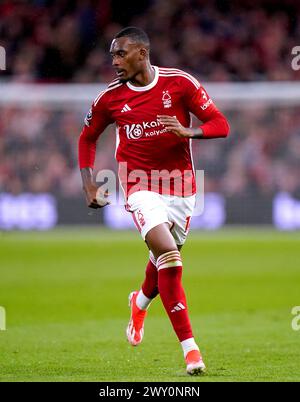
x=127, y=58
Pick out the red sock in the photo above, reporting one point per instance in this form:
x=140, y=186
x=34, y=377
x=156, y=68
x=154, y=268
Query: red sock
x=172, y=294
x=150, y=285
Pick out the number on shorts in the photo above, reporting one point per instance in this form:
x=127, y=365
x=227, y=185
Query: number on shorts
x=188, y=223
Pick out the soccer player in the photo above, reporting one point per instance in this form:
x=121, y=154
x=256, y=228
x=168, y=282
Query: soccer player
x=151, y=107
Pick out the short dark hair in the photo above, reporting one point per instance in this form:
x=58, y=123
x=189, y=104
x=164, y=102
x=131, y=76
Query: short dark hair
x=136, y=34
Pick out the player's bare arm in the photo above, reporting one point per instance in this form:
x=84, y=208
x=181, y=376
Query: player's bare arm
x=171, y=123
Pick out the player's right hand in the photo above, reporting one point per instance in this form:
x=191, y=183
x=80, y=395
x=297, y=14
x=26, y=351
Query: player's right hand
x=95, y=198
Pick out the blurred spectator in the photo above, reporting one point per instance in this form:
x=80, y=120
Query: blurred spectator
x=38, y=149
x=51, y=40
x=68, y=41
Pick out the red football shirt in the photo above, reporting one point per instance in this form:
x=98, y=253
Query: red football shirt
x=149, y=156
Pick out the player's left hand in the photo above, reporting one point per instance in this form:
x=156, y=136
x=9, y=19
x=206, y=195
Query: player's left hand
x=171, y=123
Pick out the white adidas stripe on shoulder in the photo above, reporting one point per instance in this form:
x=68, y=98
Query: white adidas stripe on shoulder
x=173, y=72
x=170, y=72
x=109, y=88
x=197, y=86
x=115, y=81
x=176, y=70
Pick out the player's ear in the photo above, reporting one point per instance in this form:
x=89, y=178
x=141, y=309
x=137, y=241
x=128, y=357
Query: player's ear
x=143, y=53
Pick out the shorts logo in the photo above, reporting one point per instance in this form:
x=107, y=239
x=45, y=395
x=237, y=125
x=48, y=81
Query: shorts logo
x=134, y=131
x=141, y=218
x=166, y=99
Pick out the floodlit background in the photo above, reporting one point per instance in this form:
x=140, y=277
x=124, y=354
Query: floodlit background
x=57, y=61
x=64, y=291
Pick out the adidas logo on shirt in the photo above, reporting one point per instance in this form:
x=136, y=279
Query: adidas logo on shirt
x=126, y=108
x=178, y=307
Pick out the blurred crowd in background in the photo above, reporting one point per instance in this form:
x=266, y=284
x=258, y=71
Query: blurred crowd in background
x=261, y=156
x=63, y=40
x=67, y=41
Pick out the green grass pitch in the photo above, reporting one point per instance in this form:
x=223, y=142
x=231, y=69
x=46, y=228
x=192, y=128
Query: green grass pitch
x=65, y=294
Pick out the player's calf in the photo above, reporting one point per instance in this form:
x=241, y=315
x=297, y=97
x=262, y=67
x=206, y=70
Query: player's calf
x=150, y=285
x=169, y=267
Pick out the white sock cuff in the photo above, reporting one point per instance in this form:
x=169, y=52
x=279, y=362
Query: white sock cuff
x=188, y=345
x=152, y=258
x=142, y=301
x=169, y=260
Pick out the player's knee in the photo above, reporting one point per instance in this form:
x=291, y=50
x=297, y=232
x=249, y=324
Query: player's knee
x=163, y=249
x=160, y=240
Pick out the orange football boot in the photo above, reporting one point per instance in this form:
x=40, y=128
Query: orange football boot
x=135, y=328
x=194, y=363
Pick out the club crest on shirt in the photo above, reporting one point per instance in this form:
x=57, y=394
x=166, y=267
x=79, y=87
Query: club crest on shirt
x=88, y=118
x=166, y=99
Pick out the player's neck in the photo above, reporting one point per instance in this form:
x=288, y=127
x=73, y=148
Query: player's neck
x=145, y=77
